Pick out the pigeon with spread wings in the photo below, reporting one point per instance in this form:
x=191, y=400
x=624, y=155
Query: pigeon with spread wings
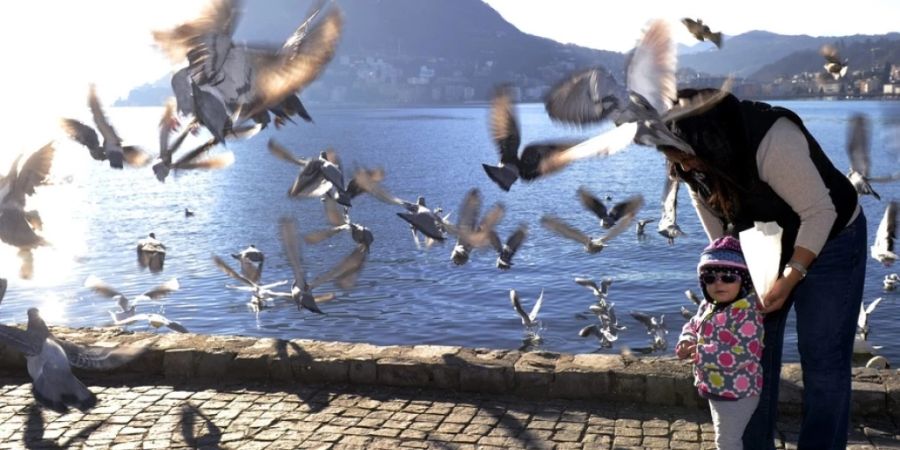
x=19, y=227
x=50, y=360
x=111, y=148
x=594, y=245
x=702, y=32
x=225, y=84
x=507, y=137
x=344, y=273
x=639, y=110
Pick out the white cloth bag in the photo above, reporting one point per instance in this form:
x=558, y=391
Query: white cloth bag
x=762, y=251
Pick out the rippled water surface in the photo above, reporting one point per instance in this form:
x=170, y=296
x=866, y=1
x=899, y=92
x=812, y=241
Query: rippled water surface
x=95, y=215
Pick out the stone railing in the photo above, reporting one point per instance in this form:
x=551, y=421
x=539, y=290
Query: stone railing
x=649, y=380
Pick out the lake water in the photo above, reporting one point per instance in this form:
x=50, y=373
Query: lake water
x=95, y=215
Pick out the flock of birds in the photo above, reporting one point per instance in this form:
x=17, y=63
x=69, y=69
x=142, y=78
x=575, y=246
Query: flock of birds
x=233, y=91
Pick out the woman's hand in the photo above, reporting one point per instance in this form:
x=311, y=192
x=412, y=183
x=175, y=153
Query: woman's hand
x=685, y=349
x=775, y=298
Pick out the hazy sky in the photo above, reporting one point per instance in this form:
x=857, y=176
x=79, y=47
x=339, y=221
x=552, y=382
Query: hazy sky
x=54, y=48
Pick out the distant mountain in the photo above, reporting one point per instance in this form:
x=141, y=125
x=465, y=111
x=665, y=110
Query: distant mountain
x=454, y=51
x=746, y=54
x=460, y=47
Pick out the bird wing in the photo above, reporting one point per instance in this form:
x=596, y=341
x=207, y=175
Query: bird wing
x=84, y=135
x=536, y=309
x=872, y=305
x=692, y=296
x=99, y=358
x=517, y=305
x=830, y=53
x=604, y=144
x=302, y=60
x=219, y=17
x=163, y=289
x=318, y=236
x=223, y=266
x=354, y=188
x=651, y=71
x=103, y=126
x=20, y=340
x=669, y=202
x=698, y=103
x=629, y=212
x=585, y=97
x=284, y=154
x=887, y=228
x=469, y=210
x=644, y=319
x=624, y=208
x=97, y=285
x=333, y=213
x=505, y=125
x=191, y=159
x=33, y=173
x=516, y=239
x=592, y=203
x=858, y=144
x=288, y=231
x=588, y=283
x=563, y=229
x=346, y=267
x=423, y=222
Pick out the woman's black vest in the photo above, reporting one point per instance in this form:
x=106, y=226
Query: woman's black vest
x=728, y=137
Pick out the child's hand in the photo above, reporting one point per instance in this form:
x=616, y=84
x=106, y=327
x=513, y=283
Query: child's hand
x=685, y=349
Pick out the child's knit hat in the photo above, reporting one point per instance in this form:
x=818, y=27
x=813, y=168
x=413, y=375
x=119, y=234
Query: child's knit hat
x=725, y=254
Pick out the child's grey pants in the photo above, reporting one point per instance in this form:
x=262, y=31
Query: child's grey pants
x=730, y=418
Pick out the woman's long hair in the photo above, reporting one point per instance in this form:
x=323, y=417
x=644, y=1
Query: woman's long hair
x=718, y=138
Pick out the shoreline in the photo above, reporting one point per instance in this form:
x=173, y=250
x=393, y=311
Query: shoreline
x=663, y=381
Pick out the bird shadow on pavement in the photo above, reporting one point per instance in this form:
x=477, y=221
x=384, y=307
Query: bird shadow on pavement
x=33, y=435
x=195, y=437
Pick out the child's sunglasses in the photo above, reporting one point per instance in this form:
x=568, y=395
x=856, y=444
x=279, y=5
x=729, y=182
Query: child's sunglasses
x=711, y=277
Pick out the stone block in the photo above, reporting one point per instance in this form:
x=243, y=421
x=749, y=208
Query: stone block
x=178, y=363
x=868, y=399
x=213, y=365
x=534, y=373
x=484, y=370
x=661, y=389
x=402, y=372
x=441, y=374
x=585, y=376
x=320, y=362
x=628, y=386
x=363, y=368
x=790, y=391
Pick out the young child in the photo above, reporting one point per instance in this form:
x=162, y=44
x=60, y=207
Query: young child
x=724, y=340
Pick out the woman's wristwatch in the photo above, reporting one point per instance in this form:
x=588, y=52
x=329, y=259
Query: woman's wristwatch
x=794, y=265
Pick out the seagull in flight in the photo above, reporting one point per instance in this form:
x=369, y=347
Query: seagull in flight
x=861, y=343
x=151, y=253
x=883, y=249
x=656, y=328
x=668, y=225
x=834, y=65
x=251, y=260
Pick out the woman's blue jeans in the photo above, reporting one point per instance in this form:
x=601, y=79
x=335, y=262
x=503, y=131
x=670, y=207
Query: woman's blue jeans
x=827, y=304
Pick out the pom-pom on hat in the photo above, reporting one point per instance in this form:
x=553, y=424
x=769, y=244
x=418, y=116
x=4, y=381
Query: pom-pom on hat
x=724, y=252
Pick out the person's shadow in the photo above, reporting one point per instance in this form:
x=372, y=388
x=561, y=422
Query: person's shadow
x=34, y=432
x=210, y=439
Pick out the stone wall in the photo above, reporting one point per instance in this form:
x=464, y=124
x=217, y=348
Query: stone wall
x=649, y=380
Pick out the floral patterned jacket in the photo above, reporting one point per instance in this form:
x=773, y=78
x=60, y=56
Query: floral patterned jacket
x=729, y=345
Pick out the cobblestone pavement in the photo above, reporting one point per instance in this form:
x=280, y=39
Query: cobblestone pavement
x=247, y=417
